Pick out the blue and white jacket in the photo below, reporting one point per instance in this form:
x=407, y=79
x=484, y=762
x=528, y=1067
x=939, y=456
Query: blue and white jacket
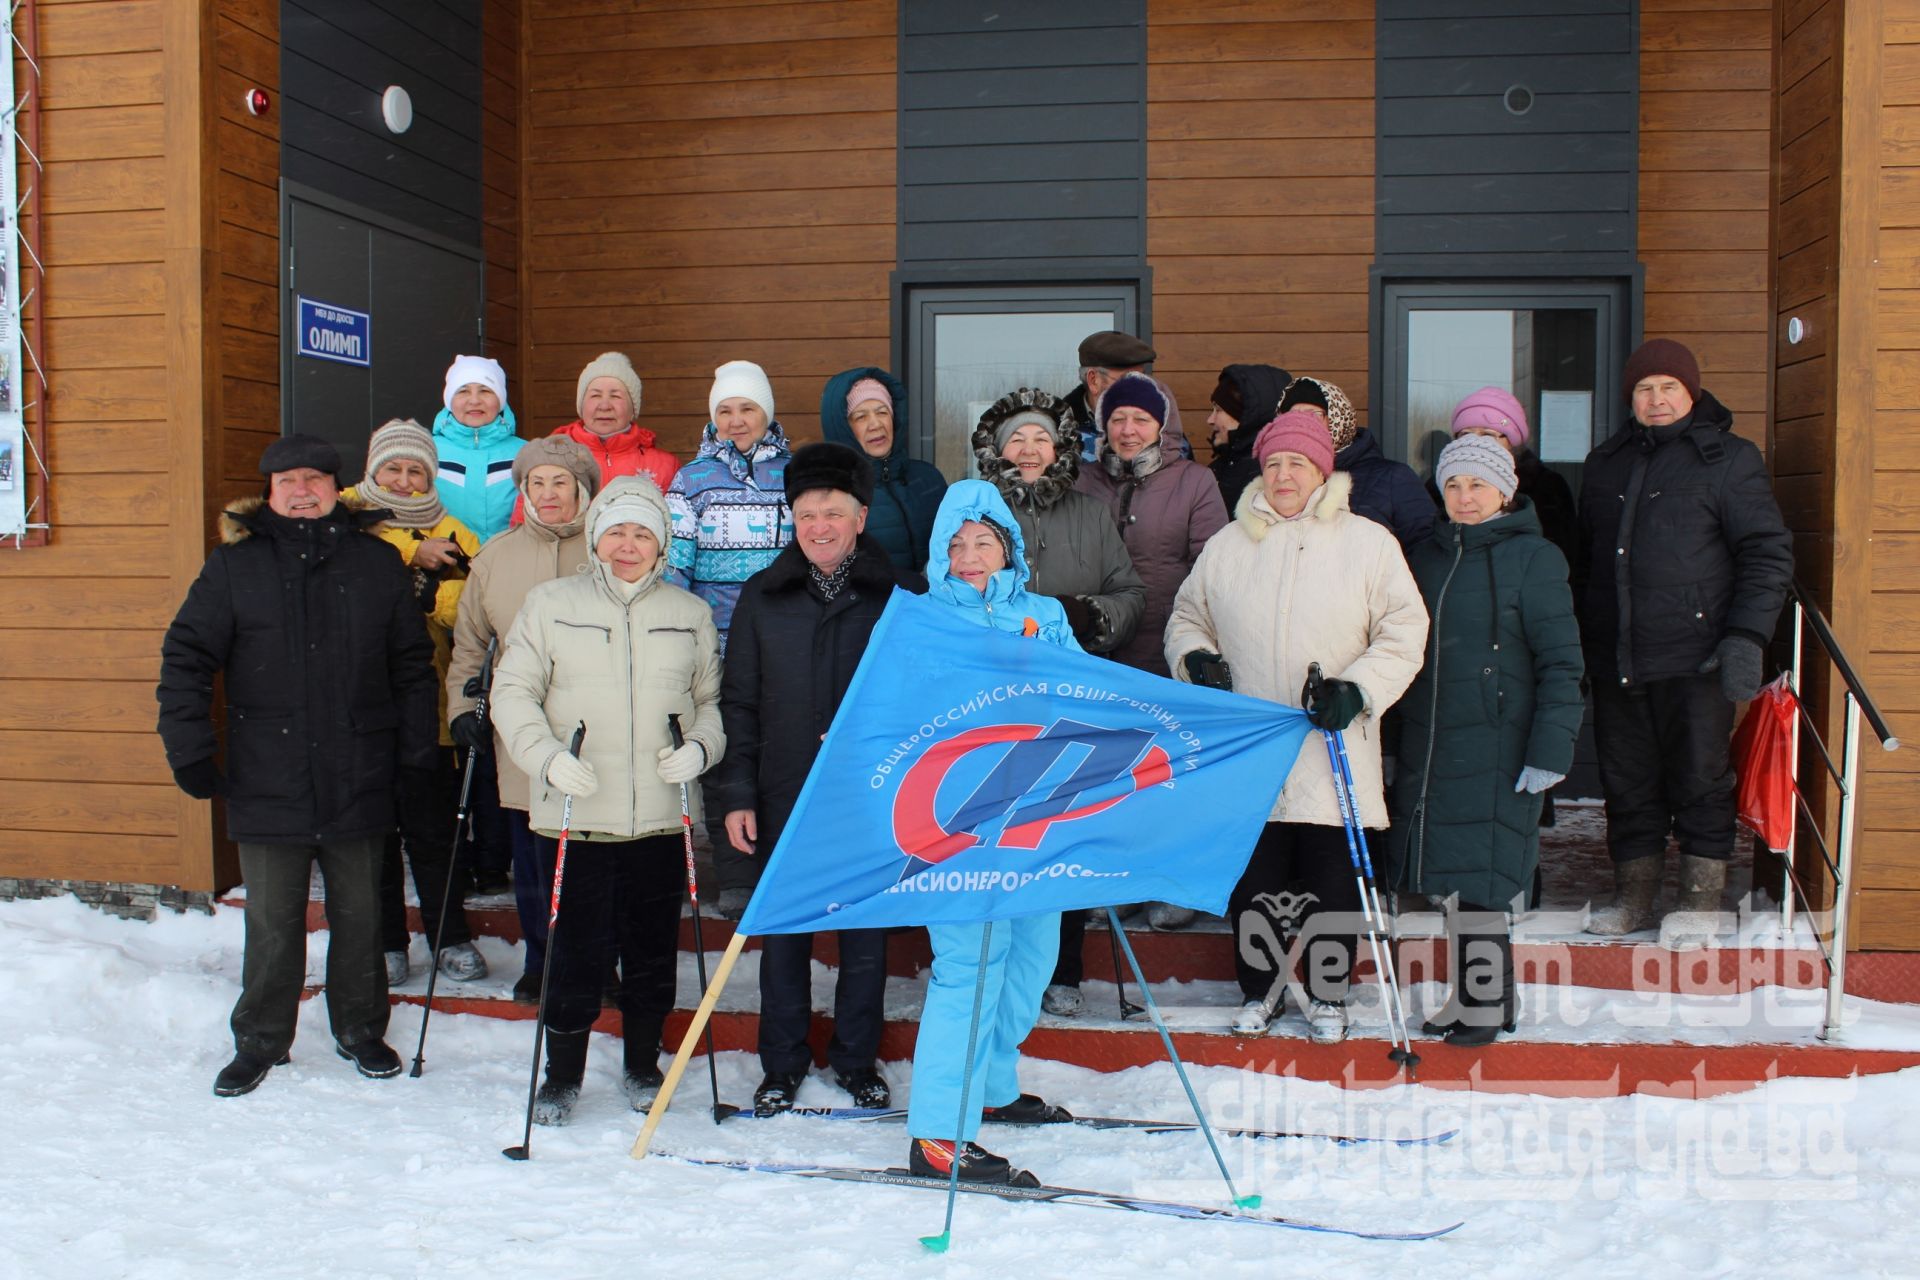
x=730, y=518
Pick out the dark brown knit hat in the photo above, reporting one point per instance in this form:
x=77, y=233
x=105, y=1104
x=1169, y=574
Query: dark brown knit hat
x=1662, y=355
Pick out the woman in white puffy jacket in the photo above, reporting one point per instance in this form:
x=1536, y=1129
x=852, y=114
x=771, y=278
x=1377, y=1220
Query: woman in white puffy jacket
x=1298, y=580
x=617, y=649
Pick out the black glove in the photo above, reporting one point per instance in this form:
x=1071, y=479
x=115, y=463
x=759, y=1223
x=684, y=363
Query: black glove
x=1738, y=660
x=1080, y=617
x=1332, y=704
x=1209, y=669
x=426, y=588
x=414, y=800
x=201, y=779
x=470, y=730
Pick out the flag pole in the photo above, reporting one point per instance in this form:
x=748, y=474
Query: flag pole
x=1166, y=1038
x=680, y=1060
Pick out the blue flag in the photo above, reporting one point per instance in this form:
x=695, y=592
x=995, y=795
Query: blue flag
x=975, y=775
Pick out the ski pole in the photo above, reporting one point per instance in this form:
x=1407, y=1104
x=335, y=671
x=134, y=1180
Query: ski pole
x=1179, y=1069
x=461, y=814
x=1127, y=1007
x=525, y=1148
x=939, y=1243
x=1380, y=918
x=1402, y=1051
x=720, y=1109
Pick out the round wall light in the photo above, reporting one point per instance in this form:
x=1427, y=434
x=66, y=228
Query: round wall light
x=1518, y=99
x=1796, y=330
x=257, y=102
x=396, y=109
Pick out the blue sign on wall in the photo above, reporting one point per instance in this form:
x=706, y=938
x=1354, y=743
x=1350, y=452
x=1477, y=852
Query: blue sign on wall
x=327, y=332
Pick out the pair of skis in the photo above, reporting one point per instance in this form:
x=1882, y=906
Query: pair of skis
x=1047, y=1194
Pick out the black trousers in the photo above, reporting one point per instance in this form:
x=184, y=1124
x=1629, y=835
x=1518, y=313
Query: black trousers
x=486, y=845
x=427, y=851
x=1665, y=766
x=1071, y=968
x=274, y=966
x=619, y=900
x=1298, y=873
x=786, y=1001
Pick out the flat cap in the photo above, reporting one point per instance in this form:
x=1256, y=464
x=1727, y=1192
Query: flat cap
x=1111, y=349
x=291, y=453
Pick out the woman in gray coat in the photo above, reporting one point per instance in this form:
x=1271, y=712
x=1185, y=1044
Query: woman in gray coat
x=1026, y=446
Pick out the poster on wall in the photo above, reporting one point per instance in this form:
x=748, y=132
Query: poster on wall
x=15, y=456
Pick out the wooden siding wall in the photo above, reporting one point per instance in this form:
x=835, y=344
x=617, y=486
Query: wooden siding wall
x=245, y=307
x=82, y=777
x=1706, y=70
x=1260, y=200
x=500, y=173
x=1882, y=121
x=706, y=183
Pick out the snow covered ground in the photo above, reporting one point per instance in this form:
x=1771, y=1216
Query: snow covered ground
x=123, y=1163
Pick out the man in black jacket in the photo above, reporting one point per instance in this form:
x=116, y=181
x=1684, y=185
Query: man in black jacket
x=799, y=631
x=1682, y=567
x=330, y=694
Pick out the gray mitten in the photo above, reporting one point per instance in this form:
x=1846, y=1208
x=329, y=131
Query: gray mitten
x=1738, y=660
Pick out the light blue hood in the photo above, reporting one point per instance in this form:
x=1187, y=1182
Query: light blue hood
x=1006, y=604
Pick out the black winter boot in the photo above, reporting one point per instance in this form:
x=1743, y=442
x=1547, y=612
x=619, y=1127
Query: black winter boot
x=776, y=1092
x=1485, y=989
x=566, y=1067
x=244, y=1073
x=641, y=1078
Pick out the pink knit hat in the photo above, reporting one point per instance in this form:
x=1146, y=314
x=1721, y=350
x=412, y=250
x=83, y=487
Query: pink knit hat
x=868, y=389
x=1492, y=409
x=1296, y=431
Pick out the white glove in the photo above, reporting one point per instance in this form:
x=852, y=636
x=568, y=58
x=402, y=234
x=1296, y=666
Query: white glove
x=572, y=775
x=1534, y=781
x=683, y=763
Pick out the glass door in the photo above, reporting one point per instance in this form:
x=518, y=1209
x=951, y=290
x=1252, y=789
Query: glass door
x=967, y=347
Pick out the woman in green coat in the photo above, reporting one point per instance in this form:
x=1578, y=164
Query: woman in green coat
x=1487, y=727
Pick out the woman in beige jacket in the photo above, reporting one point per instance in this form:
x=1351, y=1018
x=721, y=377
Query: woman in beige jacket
x=1297, y=580
x=556, y=478
x=618, y=650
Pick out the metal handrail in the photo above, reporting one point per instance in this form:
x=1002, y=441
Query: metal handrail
x=1824, y=634
x=1838, y=861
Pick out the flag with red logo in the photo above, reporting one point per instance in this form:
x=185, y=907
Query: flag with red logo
x=977, y=775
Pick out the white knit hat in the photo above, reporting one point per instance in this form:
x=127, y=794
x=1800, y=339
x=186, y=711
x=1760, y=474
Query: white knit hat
x=629, y=500
x=740, y=378
x=481, y=369
x=608, y=364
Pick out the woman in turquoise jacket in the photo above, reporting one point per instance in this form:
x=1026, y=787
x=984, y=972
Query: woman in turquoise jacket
x=977, y=568
x=477, y=440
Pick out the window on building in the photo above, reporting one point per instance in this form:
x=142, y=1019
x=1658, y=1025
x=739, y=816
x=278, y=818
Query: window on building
x=967, y=347
x=1557, y=345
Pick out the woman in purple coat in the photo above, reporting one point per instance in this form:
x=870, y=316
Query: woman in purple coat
x=1167, y=507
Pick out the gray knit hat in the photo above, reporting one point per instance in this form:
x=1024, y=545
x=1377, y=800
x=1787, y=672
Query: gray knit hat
x=401, y=438
x=1481, y=457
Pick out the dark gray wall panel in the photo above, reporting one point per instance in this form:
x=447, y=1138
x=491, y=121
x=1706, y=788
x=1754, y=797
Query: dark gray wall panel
x=1022, y=133
x=337, y=56
x=1457, y=173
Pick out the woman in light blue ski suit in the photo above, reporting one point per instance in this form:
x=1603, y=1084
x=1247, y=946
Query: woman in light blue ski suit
x=977, y=568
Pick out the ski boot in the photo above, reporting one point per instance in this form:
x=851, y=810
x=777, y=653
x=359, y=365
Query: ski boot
x=934, y=1158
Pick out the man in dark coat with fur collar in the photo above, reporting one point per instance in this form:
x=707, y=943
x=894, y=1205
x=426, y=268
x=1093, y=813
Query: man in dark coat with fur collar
x=799, y=631
x=331, y=710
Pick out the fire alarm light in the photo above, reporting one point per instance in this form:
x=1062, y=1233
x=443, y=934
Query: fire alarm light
x=258, y=102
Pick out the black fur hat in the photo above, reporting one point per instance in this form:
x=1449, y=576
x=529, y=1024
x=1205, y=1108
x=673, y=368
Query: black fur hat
x=829, y=466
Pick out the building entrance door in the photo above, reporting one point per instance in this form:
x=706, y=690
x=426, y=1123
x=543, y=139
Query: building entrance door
x=372, y=312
